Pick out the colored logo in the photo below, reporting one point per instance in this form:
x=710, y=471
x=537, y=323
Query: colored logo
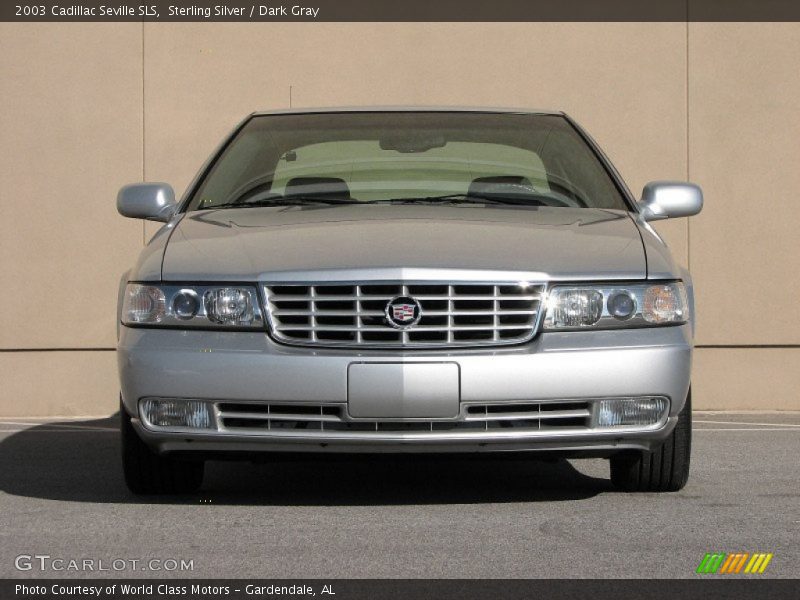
x=731, y=564
x=403, y=312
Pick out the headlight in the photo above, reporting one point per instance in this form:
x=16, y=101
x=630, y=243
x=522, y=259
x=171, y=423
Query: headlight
x=621, y=305
x=604, y=306
x=201, y=306
x=229, y=306
x=576, y=307
x=185, y=304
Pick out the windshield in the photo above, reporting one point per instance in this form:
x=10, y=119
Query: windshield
x=429, y=157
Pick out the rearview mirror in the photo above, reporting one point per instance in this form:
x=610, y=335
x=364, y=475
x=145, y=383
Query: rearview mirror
x=670, y=199
x=152, y=201
x=411, y=143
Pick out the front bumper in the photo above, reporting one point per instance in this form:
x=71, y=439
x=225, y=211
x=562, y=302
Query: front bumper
x=561, y=368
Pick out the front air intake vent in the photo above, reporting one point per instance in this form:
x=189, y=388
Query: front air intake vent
x=320, y=419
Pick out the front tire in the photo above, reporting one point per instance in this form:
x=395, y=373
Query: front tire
x=149, y=473
x=663, y=470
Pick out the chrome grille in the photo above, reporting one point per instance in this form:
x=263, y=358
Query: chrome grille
x=311, y=419
x=457, y=314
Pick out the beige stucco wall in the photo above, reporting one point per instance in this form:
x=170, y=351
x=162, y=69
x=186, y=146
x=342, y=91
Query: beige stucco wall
x=89, y=107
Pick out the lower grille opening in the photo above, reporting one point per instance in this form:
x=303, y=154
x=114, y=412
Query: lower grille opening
x=531, y=415
x=349, y=426
x=574, y=422
x=311, y=418
x=278, y=409
x=275, y=424
x=261, y=416
x=554, y=406
x=458, y=426
x=392, y=426
x=501, y=408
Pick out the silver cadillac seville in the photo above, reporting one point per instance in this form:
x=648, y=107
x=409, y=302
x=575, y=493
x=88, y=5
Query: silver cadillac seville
x=406, y=280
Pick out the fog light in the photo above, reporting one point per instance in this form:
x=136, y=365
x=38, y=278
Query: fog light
x=619, y=412
x=163, y=412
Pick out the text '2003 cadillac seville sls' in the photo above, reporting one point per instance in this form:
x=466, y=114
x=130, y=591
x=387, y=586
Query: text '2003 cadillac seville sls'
x=406, y=280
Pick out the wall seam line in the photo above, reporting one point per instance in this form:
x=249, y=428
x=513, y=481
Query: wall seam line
x=747, y=346
x=688, y=155
x=20, y=350
x=144, y=223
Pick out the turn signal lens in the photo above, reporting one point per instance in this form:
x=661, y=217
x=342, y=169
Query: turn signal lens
x=144, y=304
x=665, y=303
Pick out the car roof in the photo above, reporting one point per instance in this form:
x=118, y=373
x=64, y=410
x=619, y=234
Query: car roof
x=345, y=109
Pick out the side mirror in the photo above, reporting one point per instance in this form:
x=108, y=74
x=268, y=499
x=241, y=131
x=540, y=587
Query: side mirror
x=669, y=199
x=152, y=201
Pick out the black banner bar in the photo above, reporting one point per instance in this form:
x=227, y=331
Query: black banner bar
x=402, y=10
x=701, y=588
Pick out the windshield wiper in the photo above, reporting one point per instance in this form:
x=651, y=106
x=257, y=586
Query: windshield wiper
x=527, y=200
x=468, y=199
x=284, y=201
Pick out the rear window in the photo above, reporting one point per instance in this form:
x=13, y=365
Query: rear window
x=373, y=173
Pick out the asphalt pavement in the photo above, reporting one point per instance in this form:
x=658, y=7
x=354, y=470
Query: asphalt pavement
x=62, y=496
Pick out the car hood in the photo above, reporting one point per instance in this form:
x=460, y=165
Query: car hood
x=253, y=244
